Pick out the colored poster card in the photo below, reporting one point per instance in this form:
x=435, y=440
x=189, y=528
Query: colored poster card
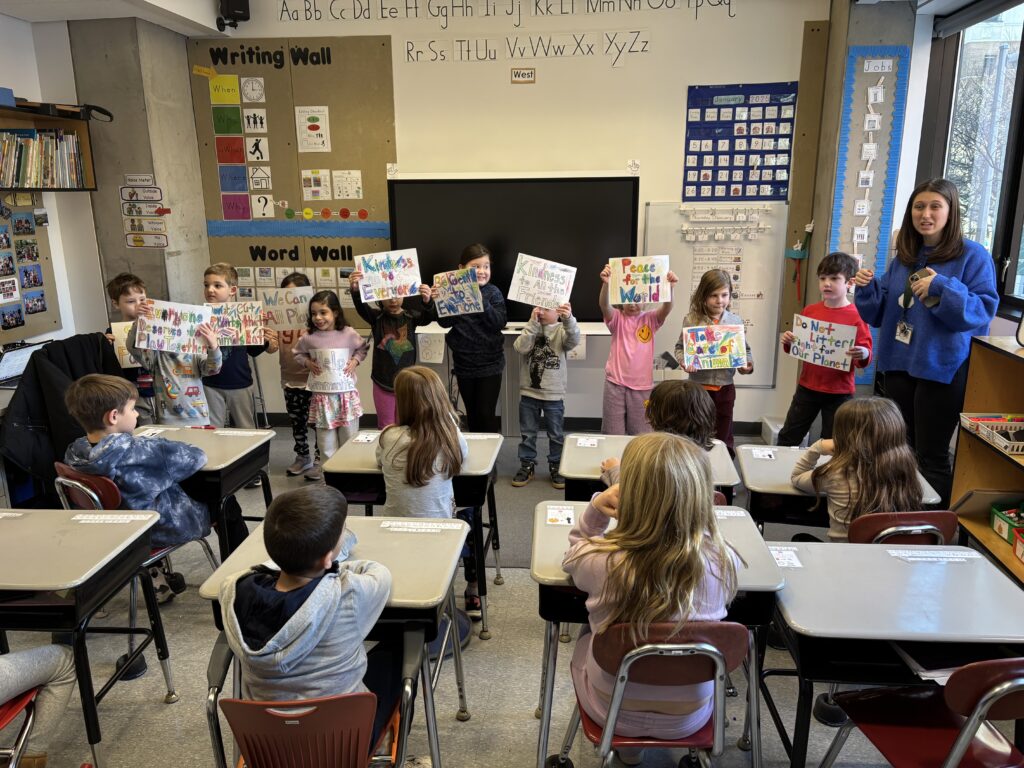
x=238, y=323
x=6, y=264
x=27, y=251
x=224, y=89
x=230, y=149
x=11, y=316
x=710, y=347
x=23, y=224
x=227, y=120
x=5, y=237
x=35, y=302
x=173, y=328
x=820, y=342
x=458, y=293
x=236, y=207
x=9, y=289
x=332, y=376
x=316, y=184
x=312, y=129
x=31, y=276
x=541, y=283
x=639, y=280
x=389, y=274
x=232, y=178
x=287, y=308
x=120, y=333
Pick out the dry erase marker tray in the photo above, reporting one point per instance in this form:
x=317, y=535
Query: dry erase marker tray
x=1003, y=430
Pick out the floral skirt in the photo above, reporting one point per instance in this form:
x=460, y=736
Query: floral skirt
x=330, y=410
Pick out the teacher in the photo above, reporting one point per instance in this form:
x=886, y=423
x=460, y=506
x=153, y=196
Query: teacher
x=937, y=293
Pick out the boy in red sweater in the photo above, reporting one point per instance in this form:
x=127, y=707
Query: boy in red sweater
x=822, y=389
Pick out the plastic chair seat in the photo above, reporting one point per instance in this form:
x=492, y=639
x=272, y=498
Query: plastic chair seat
x=9, y=710
x=702, y=739
x=914, y=727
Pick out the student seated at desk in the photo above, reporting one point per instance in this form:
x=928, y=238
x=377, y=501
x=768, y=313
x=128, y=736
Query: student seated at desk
x=298, y=632
x=872, y=468
x=146, y=470
x=681, y=408
x=53, y=668
x=665, y=561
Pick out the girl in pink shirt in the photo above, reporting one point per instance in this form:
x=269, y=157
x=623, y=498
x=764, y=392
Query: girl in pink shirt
x=665, y=561
x=628, y=377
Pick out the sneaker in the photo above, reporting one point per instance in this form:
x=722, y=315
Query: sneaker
x=315, y=473
x=300, y=465
x=557, y=481
x=164, y=594
x=256, y=482
x=524, y=475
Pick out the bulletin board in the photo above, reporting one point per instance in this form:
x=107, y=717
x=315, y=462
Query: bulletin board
x=870, y=137
x=28, y=293
x=296, y=137
x=747, y=240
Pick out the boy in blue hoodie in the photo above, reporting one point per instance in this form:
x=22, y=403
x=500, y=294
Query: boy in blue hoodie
x=298, y=632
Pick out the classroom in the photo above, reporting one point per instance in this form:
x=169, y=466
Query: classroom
x=584, y=253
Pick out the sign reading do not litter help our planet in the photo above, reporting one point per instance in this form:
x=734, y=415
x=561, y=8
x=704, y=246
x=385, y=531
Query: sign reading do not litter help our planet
x=820, y=342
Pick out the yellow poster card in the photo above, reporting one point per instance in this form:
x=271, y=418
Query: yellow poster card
x=224, y=89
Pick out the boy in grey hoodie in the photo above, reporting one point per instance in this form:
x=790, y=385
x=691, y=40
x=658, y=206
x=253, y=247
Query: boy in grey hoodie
x=298, y=632
x=542, y=382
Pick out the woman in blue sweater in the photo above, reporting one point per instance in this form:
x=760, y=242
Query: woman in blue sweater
x=937, y=293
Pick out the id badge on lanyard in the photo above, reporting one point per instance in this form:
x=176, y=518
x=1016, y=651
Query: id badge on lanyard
x=904, y=330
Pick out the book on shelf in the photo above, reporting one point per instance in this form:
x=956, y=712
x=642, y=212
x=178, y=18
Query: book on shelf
x=45, y=158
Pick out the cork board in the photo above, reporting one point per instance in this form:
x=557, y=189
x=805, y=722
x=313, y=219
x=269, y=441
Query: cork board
x=28, y=293
x=254, y=152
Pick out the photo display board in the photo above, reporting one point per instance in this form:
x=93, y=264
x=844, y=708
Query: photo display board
x=28, y=293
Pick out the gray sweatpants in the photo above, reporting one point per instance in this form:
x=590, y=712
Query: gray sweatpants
x=51, y=666
x=624, y=410
x=236, y=403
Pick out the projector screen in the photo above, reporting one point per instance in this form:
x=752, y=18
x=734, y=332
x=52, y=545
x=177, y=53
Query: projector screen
x=581, y=222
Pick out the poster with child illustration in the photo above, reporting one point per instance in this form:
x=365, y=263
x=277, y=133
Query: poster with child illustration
x=639, y=280
x=237, y=323
x=707, y=347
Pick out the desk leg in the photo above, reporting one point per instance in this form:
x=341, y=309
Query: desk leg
x=802, y=726
x=548, y=680
x=268, y=495
x=752, y=728
x=221, y=519
x=4, y=647
x=492, y=533
x=429, y=712
x=88, y=695
x=156, y=623
x=460, y=680
x=481, y=569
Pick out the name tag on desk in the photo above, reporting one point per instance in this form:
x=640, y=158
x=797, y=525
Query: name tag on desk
x=587, y=442
x=110, y=519
x=934, y=556
x=365, y=437
x=156, y=431
x=785, y=557
x=419, y=525
x=763, y=453
x=561, y=514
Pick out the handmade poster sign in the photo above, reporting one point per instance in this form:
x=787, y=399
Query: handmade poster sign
x=388, y=275
x=332, y=376
x=639, y=280
x=707, y=347
x=173, y=328
x=238, y=323
x=541, y=283
x=287, y=308
x=458, y=293
x=120, y=333
x=820, y=342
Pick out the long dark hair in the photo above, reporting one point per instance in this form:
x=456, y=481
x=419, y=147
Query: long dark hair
x=683, y=408
x=330, y=299
x=951, y=245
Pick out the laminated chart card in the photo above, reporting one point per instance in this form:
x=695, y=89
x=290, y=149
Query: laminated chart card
x=541, y=283
x=332, y=376
x=707, y=347
x=287, y=308
x=120, y=333
x=639, y=280
x=820, y=342
x=388, y=275
x=458, y=293
x=173, y=328
x=238, y=323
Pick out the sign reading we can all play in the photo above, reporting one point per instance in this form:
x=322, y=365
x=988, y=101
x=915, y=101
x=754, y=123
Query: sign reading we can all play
x=820, y=342
x=639, y=280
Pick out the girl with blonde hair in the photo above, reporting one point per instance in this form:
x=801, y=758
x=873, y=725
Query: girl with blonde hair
x=665, y=561
x=872, y=469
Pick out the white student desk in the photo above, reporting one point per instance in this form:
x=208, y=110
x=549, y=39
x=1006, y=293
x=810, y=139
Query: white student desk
x=233, y=458
x=581, y=464
x=876, y=593
x=422, y=565
x=58, y=567
x=772, y=477
x=560, y=601
x=353, y=470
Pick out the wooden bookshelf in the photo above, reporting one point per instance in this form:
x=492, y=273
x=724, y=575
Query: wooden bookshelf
x=14, y=117
x=994, y=376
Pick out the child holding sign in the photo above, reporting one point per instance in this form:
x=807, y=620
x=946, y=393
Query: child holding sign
x=822, y=389
x=127, y=292
x=628, y=375
x=394, y=341
x=710, y=306
x=334, y=413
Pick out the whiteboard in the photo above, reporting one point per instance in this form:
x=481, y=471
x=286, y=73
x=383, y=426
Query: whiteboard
x=702, y=237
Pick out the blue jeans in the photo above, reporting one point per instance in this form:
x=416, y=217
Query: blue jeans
x=530, y=410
